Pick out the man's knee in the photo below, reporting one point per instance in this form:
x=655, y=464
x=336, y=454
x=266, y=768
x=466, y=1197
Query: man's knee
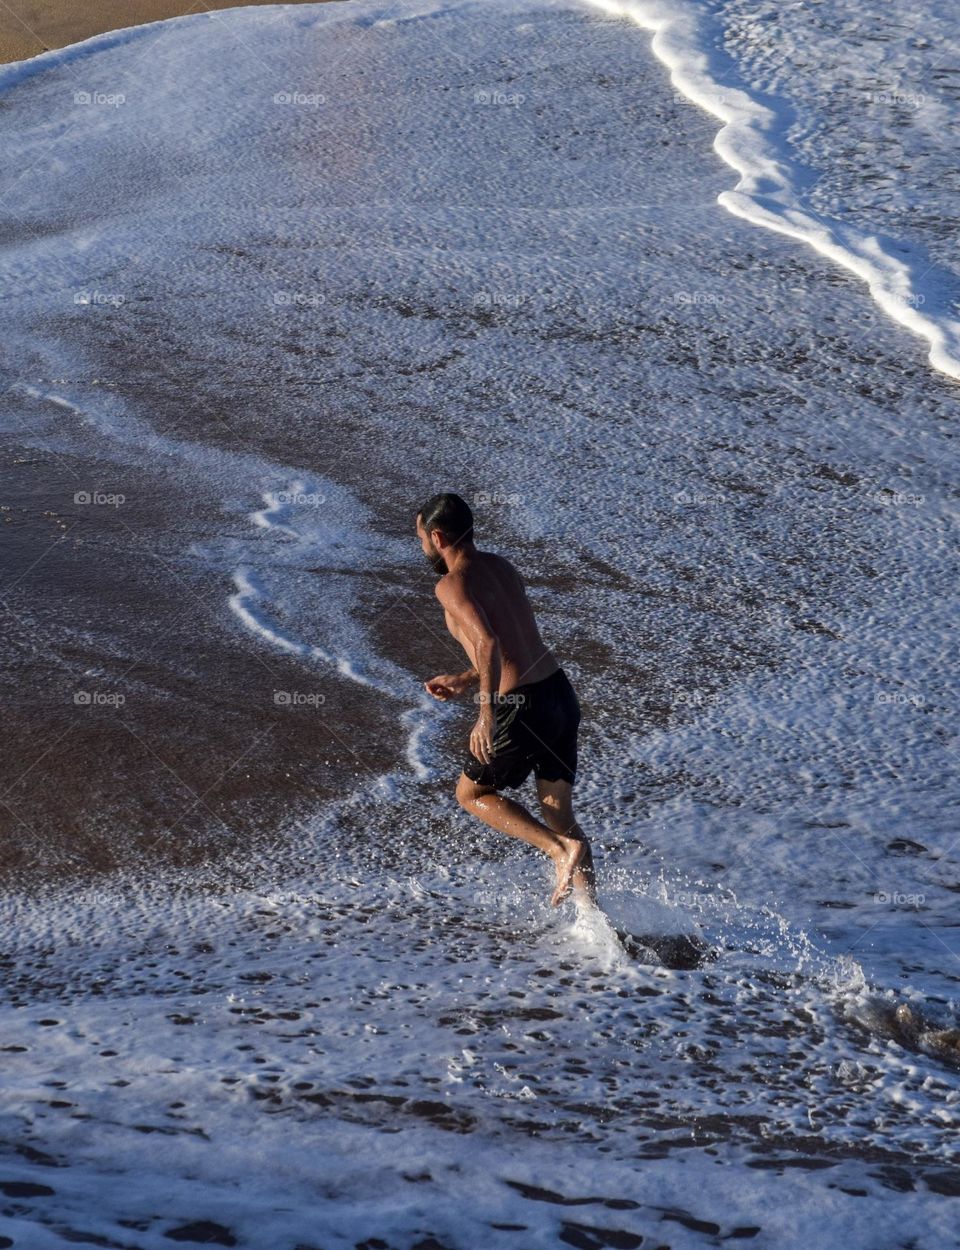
x=469, y=791
x=464, y=794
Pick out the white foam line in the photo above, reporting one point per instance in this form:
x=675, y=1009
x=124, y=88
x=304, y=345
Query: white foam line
x=273, y=515
x=418, y=722
x=766, y=192
x=245, y=603
x=58, y=400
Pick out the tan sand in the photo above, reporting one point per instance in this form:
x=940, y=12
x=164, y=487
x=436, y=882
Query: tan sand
x=29, y=27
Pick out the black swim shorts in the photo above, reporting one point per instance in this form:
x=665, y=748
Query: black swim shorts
x=535, y=727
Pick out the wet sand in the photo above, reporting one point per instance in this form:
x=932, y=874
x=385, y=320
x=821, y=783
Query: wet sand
x=29, y=27
x=143, y=724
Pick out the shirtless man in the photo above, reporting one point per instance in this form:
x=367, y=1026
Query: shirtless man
x=528, y=710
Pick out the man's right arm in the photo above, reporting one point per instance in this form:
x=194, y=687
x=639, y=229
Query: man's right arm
x=447, y=686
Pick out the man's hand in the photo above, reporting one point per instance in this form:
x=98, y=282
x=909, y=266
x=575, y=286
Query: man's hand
x=481, y=736
x=449, y=685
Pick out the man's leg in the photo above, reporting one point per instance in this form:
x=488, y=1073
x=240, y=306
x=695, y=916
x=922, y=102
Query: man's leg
x=510, y=817
x=556, y=806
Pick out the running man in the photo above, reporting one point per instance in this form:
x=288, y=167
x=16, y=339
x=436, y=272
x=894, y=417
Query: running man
x=528, y=709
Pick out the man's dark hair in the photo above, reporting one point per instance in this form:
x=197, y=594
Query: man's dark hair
x=451, y=514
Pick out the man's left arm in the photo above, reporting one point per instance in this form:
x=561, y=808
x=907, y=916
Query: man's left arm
x=482, y=642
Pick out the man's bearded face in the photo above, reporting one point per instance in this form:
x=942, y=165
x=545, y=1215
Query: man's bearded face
x=437, y=562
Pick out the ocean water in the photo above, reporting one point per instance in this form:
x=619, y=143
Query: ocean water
x=678, y=315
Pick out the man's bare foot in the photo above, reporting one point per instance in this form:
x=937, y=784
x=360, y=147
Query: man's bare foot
x=567, y=864
x=585, y=880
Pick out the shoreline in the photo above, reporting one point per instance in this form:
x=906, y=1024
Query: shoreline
x=29, y=27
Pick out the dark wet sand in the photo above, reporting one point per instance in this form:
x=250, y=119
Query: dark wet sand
x=142, y=723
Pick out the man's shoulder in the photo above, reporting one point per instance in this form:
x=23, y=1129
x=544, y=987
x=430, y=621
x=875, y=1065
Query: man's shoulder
x=493, y=560
x=508, y=567
x=471, y=580
x=450, y=586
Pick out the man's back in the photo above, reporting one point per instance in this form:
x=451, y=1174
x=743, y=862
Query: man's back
x=495, y=585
